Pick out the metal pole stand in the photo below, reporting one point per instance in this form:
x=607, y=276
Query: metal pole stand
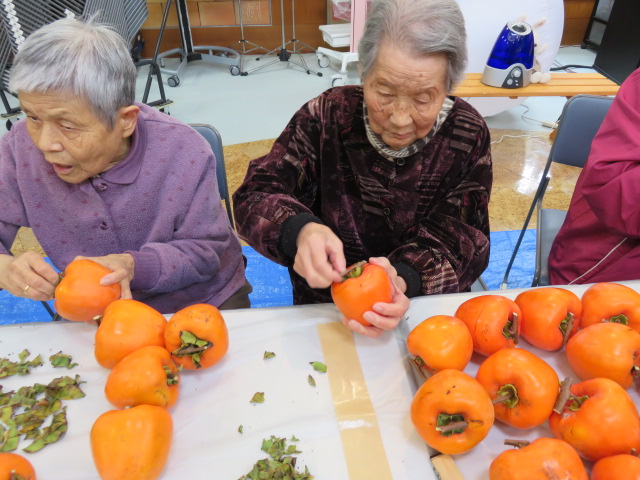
x=284, y=55
x=189, y=52
x=243, y=42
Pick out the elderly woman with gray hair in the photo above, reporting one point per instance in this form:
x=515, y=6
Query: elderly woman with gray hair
x=395, y=171
x=96, y=175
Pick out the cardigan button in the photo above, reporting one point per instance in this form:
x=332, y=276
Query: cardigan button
x=386, y=211
x=104, y=226
x=400, y=162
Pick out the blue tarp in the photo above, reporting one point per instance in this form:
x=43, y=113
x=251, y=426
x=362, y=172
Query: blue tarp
x=271, y=286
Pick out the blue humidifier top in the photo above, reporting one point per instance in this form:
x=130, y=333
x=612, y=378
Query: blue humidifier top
x=513, y=45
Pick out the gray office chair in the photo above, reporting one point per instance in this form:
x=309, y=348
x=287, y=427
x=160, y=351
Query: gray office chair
x=579, y=122
x=213, y=137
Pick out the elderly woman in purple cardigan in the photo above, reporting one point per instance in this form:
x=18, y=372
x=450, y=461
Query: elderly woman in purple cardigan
x=395, y=170
x=96, y=175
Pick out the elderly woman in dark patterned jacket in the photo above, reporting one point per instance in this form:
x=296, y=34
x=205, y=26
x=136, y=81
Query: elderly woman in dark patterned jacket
x=95, y=174
x=395, y=171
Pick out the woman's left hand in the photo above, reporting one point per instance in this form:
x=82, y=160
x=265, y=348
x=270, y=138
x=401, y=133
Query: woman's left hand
x=384, y=316
x=122, y=266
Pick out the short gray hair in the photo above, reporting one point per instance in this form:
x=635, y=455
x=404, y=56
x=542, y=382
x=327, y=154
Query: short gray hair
x=81, y=58
x=421, y=27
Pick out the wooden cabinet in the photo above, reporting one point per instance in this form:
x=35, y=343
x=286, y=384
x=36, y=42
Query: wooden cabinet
x=576, y=18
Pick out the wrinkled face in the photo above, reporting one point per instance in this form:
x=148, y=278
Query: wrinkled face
x=72, y=139
x=404, y=95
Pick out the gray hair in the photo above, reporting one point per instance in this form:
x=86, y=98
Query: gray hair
x=81, y=58
x=421, y=27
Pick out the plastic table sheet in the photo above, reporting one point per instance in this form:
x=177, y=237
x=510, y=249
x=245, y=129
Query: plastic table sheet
x=214, y=402
x=361, y=398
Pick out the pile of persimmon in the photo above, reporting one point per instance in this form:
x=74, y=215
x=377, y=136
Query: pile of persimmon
x=146, y=354
x=594, y=419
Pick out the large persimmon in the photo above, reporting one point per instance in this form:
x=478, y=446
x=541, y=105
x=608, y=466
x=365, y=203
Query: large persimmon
x=126, y=326
x=133, y=443
x=452, y=412
x=79, y=296
x=362, y=286
x=609, y=350
x=440, y=342
x=15, y=467
x=542, y=459
x=523, y=387
x=612, y=302
x=493, y=320
x=197, y=336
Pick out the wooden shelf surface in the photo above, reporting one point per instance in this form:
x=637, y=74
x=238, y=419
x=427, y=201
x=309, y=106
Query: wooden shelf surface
x=560, y=85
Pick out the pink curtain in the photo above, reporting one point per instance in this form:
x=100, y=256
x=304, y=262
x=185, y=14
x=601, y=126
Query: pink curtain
x=358, y=15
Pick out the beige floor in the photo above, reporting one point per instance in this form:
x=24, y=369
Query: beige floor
x=517, y=163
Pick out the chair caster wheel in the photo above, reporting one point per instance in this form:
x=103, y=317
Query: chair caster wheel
x=173, y=81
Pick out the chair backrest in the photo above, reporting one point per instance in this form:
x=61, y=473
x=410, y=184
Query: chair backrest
x=581, y=119
x=579, y=122
x=215, y=140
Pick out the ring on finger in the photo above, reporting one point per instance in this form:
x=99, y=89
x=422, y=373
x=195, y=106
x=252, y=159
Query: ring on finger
x=26, y=289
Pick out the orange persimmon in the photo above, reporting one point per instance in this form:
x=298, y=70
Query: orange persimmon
x=452, y=412
x=546, y=314
x=440, y=342
x=493, y=320
x=611, y=302
x=126, y=326
x=542, y=459
x=145, y=376
x=133, y=443
x=15, y=467
x=609, y=350
x=79, y=296
x=197, y=336
x=364, y=285
x=526, y=384
x=599, y=419
x=617, y=467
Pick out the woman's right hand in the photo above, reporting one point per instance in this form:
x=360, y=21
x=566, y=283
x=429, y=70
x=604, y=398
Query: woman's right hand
x=28, y=276
x=320, y=258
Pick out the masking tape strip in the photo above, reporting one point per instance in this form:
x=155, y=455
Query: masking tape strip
x=361, y=439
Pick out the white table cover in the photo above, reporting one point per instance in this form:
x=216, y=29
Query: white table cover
x=213, y=403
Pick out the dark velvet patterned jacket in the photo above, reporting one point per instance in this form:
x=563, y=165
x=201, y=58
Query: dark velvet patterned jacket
x=428, y=213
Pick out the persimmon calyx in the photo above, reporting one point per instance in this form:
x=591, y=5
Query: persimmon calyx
x=173, y=376
x=574, y=403
x=507, y=394
x=620, y=318
x=566, y=326
x=15, y=476
x=425, y=370
x=510, y=329
x=354, y=271
x=192, y=346
x=448, y=424
x=566, y=401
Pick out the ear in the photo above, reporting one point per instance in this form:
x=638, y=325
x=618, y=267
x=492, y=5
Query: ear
x=127, y=119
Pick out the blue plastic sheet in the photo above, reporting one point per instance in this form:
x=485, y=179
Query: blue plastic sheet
x=272, y=288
